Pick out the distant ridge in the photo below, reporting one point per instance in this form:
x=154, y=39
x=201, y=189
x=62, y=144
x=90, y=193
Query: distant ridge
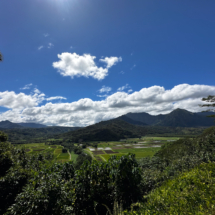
x=131, y=121
x=177, y=118
x=32, y=125
x=8, y=125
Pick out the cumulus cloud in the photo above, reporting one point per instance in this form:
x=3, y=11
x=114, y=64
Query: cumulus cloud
x=110, y=61
x=40, y=47
x=154, y=100
x=20, y=101
x=105, y=89
x=26, y=87
x=72, y=64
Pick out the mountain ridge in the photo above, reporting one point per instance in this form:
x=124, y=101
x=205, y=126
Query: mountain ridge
x=176, y=118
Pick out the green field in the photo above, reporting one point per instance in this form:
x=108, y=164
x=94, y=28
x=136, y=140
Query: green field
x=36, y=148
x=152, y=145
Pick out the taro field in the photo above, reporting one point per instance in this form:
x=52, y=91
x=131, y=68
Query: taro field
x=35, y=148
x=141, y=147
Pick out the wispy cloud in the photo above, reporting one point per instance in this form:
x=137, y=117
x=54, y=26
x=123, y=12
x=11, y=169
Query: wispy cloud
x=105, y=89
x=50, y=45
x=133, y=66
x=55, y=98
x=103, y=96
x=122, y=72
x=40, y=47
x=26, y=87
x=46, y=35
x=123, y=87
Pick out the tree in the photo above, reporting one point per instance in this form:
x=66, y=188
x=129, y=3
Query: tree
x=211, y=100
x=1, y=57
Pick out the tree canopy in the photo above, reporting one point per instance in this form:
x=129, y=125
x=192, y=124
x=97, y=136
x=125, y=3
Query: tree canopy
x=211, y=104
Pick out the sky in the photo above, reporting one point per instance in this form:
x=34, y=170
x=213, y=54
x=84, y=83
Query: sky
x=79, y=62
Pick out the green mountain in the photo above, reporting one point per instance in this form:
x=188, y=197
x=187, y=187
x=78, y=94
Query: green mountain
x=177, y=118
x=131, y=121
x=116, y=129
x=25, y=135
x=32, y=125
x=8, y=125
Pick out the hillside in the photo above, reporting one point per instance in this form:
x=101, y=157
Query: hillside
x=26, y=135
x=32, y=125
x=8, y=125
x=117, y=129
x=177, y=118
x=131, y=121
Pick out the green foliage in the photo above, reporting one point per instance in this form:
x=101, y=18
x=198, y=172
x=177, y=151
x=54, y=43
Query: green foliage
x=81, y=159
x=3, y=137
x=211, y=100
x=64, y=150
x=192, y=192
x=169, y=180
x=116, y=180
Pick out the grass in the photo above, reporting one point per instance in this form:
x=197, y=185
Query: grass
x=73, y=156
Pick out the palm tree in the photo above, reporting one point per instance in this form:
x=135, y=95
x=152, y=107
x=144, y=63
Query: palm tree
x=1, y=57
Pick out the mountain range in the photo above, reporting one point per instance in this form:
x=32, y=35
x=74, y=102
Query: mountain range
x=179, y=121
x=177, y=118
x=9, y=125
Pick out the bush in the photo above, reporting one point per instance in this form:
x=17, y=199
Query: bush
x=190, y=193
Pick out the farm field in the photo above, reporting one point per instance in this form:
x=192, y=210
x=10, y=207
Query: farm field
x=141, y=147
x=36, y=148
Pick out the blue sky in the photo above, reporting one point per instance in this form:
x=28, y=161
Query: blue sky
x=77, y=62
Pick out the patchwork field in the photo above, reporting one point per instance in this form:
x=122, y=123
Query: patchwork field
x=36, y=148
x=141, y=147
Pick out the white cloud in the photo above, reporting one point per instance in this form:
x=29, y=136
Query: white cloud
x=102, y=96
x=46, y=35
x=36, y=91
x=71, y=47
x=105, y=89
x=123, y=87
x=40, y=47
x=154, y=100
x=20, y=100
x=26, y=87
x=50, y=45
x=122, y=72
x=129, y=91
x=110, y=61
x=55, y=97
x=76, y=65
